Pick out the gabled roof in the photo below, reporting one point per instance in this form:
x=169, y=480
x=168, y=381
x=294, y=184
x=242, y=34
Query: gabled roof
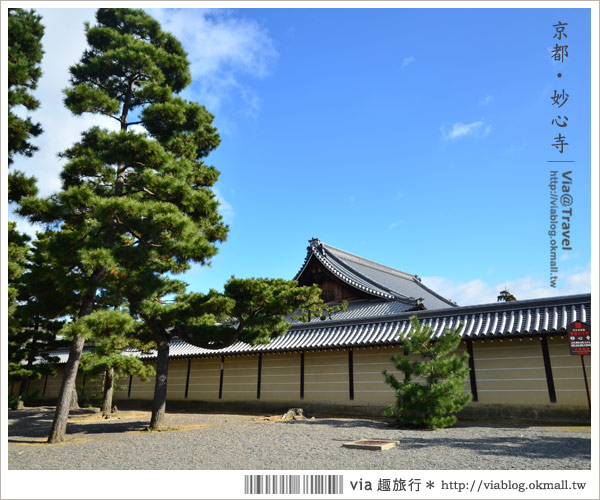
x=370, y=277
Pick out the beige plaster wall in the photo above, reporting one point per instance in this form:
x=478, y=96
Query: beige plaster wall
x=568, y=373
x=240, y=376
x=280, y=377
x=326, y=376
x=143, y=389
x=177, y=378
x=510, y=372
x=204, y=379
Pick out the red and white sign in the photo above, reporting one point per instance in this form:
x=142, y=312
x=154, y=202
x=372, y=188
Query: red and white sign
x=580, y=338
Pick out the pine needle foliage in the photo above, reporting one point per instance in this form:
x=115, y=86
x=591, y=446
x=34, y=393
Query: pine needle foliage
x=251, y=310
x=34, y=308
x=431, y=391
x=25, y=32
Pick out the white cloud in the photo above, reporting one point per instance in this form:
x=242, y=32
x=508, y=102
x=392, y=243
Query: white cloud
x=225, y=208
x=406, y=61
x=578, y=282
x=473, y=292
x=488, y=99
x=478, y=291
x=221, y=47
x=458, y=130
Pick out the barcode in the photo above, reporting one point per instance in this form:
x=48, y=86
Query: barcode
x=293, y=484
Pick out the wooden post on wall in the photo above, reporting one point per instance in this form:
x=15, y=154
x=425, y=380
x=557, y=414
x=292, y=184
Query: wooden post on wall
x=259, y=375
x=548, y=368
x=187, y=378
x=129, y=389
x=302, y=375
x=45, y=384
x=587, y=386
x=351, y=374
x=472, y=376
x=221, y=377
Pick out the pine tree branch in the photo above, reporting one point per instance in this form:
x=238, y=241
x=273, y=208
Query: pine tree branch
x=135, y=235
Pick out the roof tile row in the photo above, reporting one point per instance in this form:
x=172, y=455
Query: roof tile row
x=491, y=321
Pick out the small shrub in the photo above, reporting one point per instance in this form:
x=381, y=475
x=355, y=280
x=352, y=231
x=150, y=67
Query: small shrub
x=13, y=401
x=431, y=401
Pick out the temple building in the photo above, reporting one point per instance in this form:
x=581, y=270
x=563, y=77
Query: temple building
x=520, y=362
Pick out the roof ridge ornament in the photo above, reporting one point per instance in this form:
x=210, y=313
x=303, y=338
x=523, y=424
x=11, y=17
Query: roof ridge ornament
x=316, y=244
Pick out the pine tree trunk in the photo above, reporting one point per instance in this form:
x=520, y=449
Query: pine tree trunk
x=22, y=391
x=160, y=387
x=59, y=423
x=109, y=376
x=74, y=400
x=25, y=383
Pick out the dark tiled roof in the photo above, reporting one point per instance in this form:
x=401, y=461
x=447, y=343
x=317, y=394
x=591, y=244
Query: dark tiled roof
x=373, y=278
x=358, y=309
x=525, y=318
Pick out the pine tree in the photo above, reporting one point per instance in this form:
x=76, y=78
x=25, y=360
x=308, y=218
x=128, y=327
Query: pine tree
x=18, y=254
x=130, y=200
x=506, y=296
x=434, y=378
x=33, y=314
x=25, y=32
x=111, y=332
x=252, y=310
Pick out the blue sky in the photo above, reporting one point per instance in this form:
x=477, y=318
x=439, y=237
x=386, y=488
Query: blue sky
x=418, y=138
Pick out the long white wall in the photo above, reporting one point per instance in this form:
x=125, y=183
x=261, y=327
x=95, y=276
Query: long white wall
x=506, y=372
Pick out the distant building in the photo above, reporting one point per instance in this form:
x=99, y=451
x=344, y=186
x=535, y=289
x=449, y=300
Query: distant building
x=520, y=358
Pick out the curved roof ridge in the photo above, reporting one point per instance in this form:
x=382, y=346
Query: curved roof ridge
x=309, y=253
x=368, y=279
x=314, y=250
x=347, y=279
x=370, y=263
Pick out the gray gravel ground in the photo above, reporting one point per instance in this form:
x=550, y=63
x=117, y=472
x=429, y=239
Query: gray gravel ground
x=211, y=441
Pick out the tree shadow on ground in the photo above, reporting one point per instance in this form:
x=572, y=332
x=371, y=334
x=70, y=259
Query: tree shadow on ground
x=554, y=447
x=27, y=426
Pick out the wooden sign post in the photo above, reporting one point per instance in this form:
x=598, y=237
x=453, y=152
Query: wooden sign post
x=580, y=344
